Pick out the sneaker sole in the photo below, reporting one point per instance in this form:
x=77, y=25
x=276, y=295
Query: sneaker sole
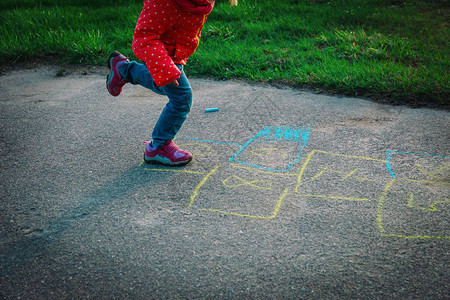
x=110, y=75
x=157, y=162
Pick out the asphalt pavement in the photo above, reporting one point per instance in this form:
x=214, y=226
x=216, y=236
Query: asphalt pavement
x=290, y=195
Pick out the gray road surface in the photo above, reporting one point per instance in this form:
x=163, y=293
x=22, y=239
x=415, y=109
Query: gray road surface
x=291, y=195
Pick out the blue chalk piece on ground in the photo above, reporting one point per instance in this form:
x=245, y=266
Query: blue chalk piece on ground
x=211, y=109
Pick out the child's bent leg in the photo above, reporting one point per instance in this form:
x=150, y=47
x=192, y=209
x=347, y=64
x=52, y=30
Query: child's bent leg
x=175, y=112
x=136, y=73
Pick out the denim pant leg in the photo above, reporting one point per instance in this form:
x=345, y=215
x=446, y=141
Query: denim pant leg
x=176, y=110
x=136, y=73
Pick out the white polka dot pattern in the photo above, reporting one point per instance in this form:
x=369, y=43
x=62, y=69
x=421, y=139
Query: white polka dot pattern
x=166, y=35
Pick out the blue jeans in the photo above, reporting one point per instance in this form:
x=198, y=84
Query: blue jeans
x=176, y=110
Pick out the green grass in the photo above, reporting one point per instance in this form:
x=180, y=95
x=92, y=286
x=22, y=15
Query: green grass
x=382, y=49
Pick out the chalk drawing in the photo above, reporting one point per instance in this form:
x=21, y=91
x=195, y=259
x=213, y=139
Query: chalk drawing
x=433, y=174
x=259, y=184
x=344, y=177
x=333, y=197
x=263, y=172
x=315, y=152
x=197, y=188
x=269, y=152
x=273, y=215
x=432, y=206
x=339, y=176
x=418, y=194
x=222, y=199
x=419, y=156
x=412, y=202
x=175, y=169
x=292, y=139
x=418, y=219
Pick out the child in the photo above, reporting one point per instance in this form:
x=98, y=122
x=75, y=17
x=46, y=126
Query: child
x=166, y=34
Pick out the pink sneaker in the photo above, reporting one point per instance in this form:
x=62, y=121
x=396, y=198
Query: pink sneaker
x=115, y=82
x=169, y=154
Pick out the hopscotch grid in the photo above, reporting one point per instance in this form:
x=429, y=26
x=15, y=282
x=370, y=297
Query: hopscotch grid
x=380, y=211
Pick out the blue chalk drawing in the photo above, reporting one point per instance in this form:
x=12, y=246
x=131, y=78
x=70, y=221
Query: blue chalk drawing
x=277, y=135
x=389, y=156
x=388, y=164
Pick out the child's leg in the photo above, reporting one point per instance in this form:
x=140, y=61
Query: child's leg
x=175, y=112
x=136, y=73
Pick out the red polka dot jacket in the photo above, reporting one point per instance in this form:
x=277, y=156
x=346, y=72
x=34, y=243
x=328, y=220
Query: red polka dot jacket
x=167, y=33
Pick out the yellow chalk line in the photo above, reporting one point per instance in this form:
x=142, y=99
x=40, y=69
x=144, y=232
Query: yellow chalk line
x=264, y=172
x=176, y=171
x=432, y=174
x=308, y=158
x=169, y=170
x=425, y=181
x=245, y=182
x=197, y=188
x=432, y=206
x=379, y=219
x=418, y=236
x=273, y=215
x=334, y=197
